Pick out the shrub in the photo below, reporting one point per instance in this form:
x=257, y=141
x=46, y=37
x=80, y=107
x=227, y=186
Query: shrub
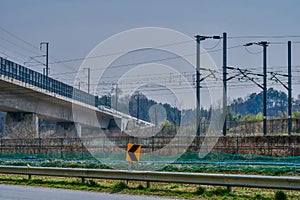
x=258, y=196
x=118, y=187
x=280, y=195
x=92, y=183
x=218, y=192
x=140, y=187
x=200, y=190
x=173, y=186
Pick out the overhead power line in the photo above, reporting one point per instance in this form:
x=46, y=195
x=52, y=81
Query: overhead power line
x=17, y=37
x=263, y=36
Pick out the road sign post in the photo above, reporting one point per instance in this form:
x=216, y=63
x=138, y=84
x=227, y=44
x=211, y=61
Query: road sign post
x=133, y=152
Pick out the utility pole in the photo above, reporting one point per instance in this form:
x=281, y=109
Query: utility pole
x=265, y=44
x=116, y=102
x=225, y=82
x=78, y=81
x=289, y=88
x=89, y=78
x=198, y=39
x=47, y=56
x=155, y=118
x=138, y=106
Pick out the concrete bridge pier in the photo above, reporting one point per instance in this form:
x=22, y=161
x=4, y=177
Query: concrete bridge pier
x=120, y=123
x=21, y=125
x=112, y=123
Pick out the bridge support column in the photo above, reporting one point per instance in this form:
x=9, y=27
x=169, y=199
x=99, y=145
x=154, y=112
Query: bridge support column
x=104, y=122
x=68, y=129
x=117, y=124
x=21, y=125
x=121, y=123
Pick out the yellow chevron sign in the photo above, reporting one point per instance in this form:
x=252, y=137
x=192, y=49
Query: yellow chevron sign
x=133, y=152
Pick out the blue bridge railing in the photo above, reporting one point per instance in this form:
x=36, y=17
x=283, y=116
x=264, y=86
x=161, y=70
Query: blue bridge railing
x=26, y=75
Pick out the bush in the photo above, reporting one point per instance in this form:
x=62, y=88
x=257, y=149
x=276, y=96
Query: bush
x=174, y=186
x=200, y=190
x=92, y=183
x=280, y=195
x=140, y=187
x=258, y=196
x=221, y=191
x=118, y=187
x=218, y=192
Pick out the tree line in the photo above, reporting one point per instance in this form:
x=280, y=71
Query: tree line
x=240, y=109
x=247, y=108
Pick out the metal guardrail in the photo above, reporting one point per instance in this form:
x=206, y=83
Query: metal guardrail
x=275, y=182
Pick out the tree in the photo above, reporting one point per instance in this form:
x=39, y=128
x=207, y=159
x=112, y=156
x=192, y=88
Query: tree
x=277, y=102
x=116, y=92
x=296, y=104
x=253, y=104
x=105, y=100
x=139, y=106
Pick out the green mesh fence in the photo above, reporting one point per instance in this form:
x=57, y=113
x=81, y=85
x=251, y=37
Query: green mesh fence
x=190, y=161
x=188, y=157
x=225, y=157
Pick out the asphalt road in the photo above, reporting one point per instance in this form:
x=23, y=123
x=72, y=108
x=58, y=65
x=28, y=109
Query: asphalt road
x=16, y=192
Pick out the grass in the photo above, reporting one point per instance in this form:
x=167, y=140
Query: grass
x=185, y=191
x=55, y=163
x=236, y=169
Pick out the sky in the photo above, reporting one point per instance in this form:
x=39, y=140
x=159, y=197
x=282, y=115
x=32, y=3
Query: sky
x=74, y=28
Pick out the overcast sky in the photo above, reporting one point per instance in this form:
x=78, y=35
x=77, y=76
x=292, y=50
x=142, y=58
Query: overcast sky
x=74, y=27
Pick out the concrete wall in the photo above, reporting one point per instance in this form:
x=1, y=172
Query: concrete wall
x=267, y=146
x=260, y=145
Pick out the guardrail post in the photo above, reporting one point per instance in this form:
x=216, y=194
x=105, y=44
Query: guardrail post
x=29, y=176
x=83, y=180
x=148, y=184
x=229, y=188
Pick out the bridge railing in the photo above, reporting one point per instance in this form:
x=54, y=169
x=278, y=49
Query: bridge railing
x=26, y=75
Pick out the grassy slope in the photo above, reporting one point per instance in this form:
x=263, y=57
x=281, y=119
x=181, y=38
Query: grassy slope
x=184, y=191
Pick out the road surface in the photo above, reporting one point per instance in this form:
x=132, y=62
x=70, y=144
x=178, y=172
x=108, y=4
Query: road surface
x=16, y=192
